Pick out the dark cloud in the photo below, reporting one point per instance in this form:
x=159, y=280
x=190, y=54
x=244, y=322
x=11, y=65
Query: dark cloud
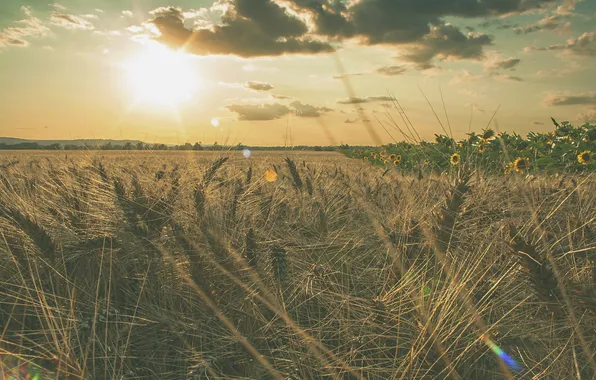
x=252, y=28
x=357, y=100
x=259, y=112
x=502, y=64
x=353, y=100
x=307, y=110
x=583, y=45
x=401, y=21
x=380, y=98
x=391, y=70
x=258, y=86
x=557, y=99
x=448, y=42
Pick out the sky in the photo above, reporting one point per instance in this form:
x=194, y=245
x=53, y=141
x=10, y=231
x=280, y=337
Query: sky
x=293, y=72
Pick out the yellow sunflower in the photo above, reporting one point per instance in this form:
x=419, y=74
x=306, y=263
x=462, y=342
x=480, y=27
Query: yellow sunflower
x=365, y=158
x=396, y=162
x=393, y=156
x=481, y=147
x=584, y=157
x=520, y=165
x=455, y=159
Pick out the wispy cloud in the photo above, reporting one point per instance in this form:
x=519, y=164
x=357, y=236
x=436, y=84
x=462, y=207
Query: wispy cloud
x=358, y=100
x=70, y=21
x=587, y=100
x=29, y=27
x=496, y=63
x=584, y=45
x=391, y=70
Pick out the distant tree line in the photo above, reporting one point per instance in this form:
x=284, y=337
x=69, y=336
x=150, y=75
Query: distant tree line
x=197, y=146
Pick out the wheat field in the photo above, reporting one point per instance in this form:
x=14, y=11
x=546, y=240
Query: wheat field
x=188, y=265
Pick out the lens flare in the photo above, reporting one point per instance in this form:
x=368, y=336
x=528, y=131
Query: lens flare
x=511, y=363
x=270, y=175
x=246, y=153
x=215, y=122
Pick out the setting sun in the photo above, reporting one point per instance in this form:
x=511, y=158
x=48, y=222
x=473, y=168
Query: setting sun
x=160, y=76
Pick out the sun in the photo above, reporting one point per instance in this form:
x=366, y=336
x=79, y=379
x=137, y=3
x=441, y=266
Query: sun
x=161, y=77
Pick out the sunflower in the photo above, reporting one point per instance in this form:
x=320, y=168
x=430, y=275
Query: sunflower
x=584, y=157
x=396, y=162
x=481, y=147
x=393, y=156
x=455, y=159
x=366, y=159
x=520, y=165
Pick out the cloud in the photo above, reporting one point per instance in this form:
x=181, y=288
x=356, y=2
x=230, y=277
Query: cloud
x=561, y=99
x=346, y=75
x=569, y=68
x=496, y=63
x=58, y=7
x=466, y=77
x=508, y=78
x=252, y=28
x=258, y=86
x=581, y=46
x=28, y=27
x=447, y=42
x=358, y=100
x=391, y=70
x=127, y=13
x=70, y=21
x=401, y=21
x=588, y=116
x=281, y=97
x=353, y=100
x=259, y=112
x=249, y=28
x=307, y=110
x=475, y=107
x=552, y=22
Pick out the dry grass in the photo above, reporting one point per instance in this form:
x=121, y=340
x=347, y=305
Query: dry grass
x=140, y=265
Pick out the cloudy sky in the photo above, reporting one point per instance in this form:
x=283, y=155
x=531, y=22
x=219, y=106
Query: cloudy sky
x=272, y=72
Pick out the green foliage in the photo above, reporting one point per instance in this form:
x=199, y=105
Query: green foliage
x=554, y=151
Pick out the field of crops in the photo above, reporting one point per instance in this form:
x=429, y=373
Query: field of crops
x=295, y=265
x=566, y=149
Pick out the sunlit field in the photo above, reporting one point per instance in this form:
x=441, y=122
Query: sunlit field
x=292, y=265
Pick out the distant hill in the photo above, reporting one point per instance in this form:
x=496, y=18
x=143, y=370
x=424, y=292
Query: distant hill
x=80, y=142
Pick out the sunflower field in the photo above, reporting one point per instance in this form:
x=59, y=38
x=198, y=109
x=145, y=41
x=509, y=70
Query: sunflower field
x=568, y=148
